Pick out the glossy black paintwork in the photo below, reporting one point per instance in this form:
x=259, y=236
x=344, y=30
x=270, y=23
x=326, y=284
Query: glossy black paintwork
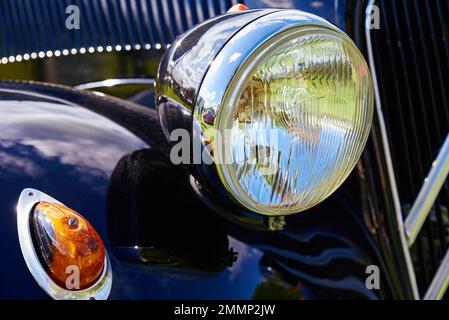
x=107, y=159
x=164, y=243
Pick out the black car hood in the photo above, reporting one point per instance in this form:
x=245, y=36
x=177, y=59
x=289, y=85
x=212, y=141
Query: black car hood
x=106, y=159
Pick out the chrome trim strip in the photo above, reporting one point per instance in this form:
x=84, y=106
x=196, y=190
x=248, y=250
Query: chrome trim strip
x=388, y=160
x=99, y=291
x=115, y=82
x=428, y=193
x=440, y=282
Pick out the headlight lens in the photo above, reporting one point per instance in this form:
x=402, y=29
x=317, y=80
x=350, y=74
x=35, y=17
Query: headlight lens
x=294, y=121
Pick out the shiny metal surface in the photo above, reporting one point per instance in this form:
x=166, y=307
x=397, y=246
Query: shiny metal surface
x=114, y=82
x=428, y=193
x=99, y=291
x=239, y=48
x=183, y=67
x=179, y=79
x=230, y=66
x=440, y=282
x=389, y=162
x=186, y=83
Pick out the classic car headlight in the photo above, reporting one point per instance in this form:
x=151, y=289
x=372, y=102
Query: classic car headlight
x=281, y=100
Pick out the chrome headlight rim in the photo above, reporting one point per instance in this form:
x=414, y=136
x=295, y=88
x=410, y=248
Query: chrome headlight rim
x=229, y=71
x=193, y=84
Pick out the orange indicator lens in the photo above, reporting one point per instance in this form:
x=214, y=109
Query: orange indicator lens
x=70, y=249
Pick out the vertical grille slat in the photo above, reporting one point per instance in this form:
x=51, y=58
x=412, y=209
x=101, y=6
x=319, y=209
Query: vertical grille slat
x=15, y=19
x=150, y=32
x=412, y=74
x=89, y=23
x=9, y=35
x=436, y=54
x=33, y=26
x=443, y=18
x=397, y=101
x=181, y=14
x=135, y=16
x=99, y=20
x=117, y=22
x=191, y=7
x=398, y=43
x=130, y=32
x=157, y=21
x=170, y=9
x=46, y=23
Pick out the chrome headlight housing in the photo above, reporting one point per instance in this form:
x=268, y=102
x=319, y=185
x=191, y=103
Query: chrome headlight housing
x=280, y=101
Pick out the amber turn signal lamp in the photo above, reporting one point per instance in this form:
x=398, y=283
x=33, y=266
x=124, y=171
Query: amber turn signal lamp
x=70, y=249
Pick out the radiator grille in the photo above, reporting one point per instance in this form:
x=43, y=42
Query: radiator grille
x=411, y=52
x=28, y=26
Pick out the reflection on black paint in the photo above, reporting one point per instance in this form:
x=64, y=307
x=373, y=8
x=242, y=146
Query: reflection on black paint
x=153, y=221
x=94, y=159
